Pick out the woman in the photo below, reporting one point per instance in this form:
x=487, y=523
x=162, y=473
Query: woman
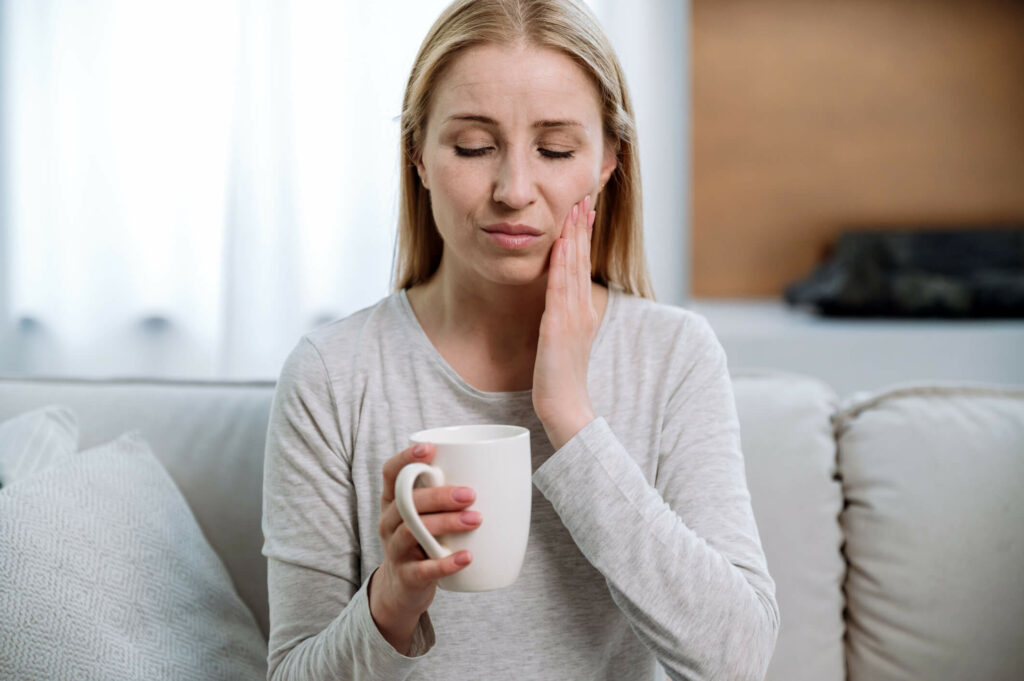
x=519, y=165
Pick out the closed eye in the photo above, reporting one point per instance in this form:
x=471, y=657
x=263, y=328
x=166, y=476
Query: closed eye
x=555, y=154
x=461, y=151
x=547, y=153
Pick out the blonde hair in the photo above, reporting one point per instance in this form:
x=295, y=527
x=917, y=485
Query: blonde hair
x=617, y=254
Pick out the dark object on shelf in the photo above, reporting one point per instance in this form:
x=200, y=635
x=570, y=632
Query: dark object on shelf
x=948, y=273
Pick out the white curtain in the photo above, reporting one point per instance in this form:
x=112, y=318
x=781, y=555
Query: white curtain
x=189, y=186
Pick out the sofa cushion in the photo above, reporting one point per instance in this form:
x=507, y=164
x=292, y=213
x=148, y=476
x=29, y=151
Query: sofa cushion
x=108, y=576
x=934, y=525
x=36, y=440
x=790, y=456
x=209, y=436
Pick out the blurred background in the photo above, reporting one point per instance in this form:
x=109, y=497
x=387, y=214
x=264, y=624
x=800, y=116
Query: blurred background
x=813, y=120
x=187, y=187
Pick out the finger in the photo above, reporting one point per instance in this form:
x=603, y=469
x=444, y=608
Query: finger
x=402, y=545
x=422, y=572
x=583, y=252
x=570, y=220
x=585, y=224
x=427, y=500
x=395, y=464
x=572, y=281
x=556, y=276
x=590, y=232
x=555, y=294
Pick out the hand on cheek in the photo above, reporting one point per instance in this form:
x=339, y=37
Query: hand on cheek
x=567, y=331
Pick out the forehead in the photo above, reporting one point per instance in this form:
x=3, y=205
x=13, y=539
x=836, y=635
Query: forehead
x=516, y=84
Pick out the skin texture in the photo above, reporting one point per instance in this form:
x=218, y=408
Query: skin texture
x=504, y=319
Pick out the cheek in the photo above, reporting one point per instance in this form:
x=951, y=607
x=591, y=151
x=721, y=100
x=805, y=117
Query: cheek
x=457, y=186
x=572, y=182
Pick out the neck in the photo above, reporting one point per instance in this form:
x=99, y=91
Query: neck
x=505, y=319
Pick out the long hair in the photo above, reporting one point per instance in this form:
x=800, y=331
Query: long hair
x=617, y=254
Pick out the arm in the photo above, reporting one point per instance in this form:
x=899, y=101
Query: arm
x=682, y=558
x=320, y=621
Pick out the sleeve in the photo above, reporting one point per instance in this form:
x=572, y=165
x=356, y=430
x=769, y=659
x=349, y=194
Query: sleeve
x=320, y=621
x=682, y=558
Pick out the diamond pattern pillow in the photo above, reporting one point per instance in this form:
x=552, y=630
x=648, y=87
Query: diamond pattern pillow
x=36, y=440
x=105, y=574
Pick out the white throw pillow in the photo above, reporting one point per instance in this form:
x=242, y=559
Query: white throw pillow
x=790, y=455
x=934, y=527
x=105, y=574
x=36, y=440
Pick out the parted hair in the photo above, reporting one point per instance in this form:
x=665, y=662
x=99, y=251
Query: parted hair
x=617, y=253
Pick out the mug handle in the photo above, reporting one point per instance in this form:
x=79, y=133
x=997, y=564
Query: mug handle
x=407, y=509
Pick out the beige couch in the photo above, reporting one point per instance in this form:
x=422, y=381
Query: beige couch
x=893, y=522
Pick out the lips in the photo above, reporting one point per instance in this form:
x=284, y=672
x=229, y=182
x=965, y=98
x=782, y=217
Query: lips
x=514, y=230
x=513, y=242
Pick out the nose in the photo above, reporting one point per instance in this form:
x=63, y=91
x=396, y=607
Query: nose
x=514, y=184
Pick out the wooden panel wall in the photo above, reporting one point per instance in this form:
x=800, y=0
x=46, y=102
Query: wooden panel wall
x=810, y=116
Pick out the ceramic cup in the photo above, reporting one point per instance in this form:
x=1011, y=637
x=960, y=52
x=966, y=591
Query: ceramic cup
x=493, y=460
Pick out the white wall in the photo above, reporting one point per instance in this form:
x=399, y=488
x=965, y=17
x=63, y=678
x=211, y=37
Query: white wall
x=856, y=355
x=652, y=39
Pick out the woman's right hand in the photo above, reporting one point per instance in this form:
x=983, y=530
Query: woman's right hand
x=403, y=587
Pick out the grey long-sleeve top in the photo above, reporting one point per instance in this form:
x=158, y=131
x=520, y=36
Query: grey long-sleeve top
x=642, y=544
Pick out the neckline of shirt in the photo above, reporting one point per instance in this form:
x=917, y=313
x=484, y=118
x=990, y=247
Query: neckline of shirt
x=427, y=345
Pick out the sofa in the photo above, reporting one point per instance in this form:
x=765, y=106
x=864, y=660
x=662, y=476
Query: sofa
x=892, y=522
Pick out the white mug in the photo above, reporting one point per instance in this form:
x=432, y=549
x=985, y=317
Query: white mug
x=493, y=460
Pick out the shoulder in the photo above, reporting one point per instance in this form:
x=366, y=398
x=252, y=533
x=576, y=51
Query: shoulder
x=333, y=349
x=660, y=344
x=657, y=325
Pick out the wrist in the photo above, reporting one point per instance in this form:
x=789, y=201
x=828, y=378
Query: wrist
x=562, y=429
x=396, y=629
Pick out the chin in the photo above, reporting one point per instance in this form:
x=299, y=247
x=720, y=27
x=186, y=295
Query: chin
x=519, y=273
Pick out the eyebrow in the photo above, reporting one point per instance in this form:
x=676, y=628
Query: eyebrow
x=538, y=124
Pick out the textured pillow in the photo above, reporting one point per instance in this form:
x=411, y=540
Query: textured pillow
x=36, y=440
x=104, y=574
x=934, y=527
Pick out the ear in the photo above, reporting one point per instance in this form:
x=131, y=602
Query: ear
x=609, y=162
x=421, y=170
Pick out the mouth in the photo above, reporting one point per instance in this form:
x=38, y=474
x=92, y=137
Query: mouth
x=513, y=241
x=513, y=237
x=513, y=230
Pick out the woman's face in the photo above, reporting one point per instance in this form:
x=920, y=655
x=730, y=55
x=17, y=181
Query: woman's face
x=513, y=137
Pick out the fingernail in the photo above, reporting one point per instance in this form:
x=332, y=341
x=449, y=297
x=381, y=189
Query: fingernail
x=463, y=494
x=575, y=212
x=463, y=558
x=470, y=517
x=591, y=218
x=586, y=203
x=419, y=451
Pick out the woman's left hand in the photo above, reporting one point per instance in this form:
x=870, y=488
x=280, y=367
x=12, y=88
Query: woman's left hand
x=567, y=331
